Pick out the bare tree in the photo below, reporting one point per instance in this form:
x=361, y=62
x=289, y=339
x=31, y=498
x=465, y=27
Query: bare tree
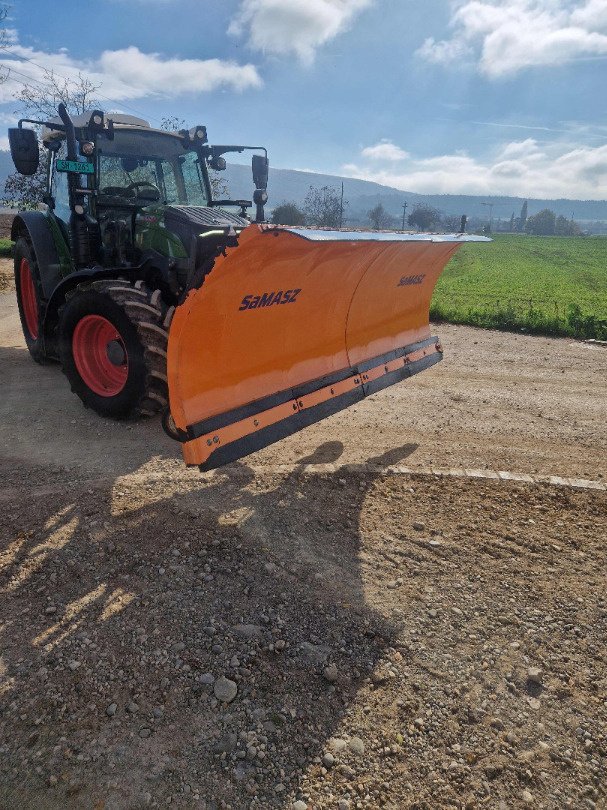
x=219, y=186
x=323, y=207
x=172, y=123
x=4, y=42
x=41, y=101
x=380, y=218
x=452, y=222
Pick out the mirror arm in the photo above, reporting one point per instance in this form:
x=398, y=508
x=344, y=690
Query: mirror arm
x=217, y=151
x=48, y=124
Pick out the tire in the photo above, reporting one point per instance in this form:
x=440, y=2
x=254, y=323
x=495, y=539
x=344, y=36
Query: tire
x=30, y=299
x=112, y=347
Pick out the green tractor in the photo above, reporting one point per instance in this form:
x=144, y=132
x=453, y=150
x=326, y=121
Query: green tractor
x=130, y=227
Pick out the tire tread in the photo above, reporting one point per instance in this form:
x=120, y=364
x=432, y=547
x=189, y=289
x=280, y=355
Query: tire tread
x=147, y=318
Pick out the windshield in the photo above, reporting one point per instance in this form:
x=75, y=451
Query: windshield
x=143, y=167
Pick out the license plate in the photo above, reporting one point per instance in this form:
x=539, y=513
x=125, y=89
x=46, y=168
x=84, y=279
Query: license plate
x=76, y=166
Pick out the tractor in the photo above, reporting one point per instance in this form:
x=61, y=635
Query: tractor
x=130, y=225
x=156, y=297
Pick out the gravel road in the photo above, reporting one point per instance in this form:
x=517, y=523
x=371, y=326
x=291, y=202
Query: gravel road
x=308, y=628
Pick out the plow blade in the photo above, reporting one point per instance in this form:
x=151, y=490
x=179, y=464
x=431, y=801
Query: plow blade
x=292, y=326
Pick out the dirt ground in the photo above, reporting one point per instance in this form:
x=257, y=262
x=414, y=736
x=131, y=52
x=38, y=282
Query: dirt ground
x=308, y=628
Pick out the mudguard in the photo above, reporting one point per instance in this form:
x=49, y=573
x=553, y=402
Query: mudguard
x=294, y=325
x=40, y=230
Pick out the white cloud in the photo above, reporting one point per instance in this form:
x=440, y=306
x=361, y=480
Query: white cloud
x=519, y=149
x=126, y=74
x=506, y=36
x=385, y=150
x=300, y=27
x=152, y=74
x=520, y=168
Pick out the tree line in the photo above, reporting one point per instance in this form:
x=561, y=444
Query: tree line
x=325, y=208
x=544, y=223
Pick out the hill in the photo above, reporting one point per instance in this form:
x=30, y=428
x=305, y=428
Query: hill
x=292, y=185
x=362, y=195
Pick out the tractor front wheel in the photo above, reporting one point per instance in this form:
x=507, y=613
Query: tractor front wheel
x=112, y=345
x=29, y=297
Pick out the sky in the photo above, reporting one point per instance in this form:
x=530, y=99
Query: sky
x=481, y=97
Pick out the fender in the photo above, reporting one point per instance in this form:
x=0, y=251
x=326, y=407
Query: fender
x=44, y=236
x=57, y=298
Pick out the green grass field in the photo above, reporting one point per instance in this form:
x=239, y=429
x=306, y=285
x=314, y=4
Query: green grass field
x=545, y=285
x=6, y=247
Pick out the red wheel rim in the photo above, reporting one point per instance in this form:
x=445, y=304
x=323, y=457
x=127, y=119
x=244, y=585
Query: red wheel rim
x=100, y=355
x=29, y=299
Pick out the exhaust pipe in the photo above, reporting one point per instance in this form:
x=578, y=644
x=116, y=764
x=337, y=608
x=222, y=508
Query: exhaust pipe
x=70, y=132
x=81, y=244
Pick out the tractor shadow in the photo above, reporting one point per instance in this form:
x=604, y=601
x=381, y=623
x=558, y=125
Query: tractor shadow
x=121, y=603
x=42, y=421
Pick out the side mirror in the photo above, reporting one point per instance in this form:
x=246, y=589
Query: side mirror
x=24, y=150
x=261, y=168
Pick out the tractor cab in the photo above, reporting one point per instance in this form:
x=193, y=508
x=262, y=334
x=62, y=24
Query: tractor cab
x=150, y=189
x=125, y=195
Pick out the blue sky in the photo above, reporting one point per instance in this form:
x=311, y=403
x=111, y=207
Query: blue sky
x=475, y=96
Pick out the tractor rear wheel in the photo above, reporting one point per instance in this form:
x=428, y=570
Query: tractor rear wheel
x=112, y=346
x=29, y=297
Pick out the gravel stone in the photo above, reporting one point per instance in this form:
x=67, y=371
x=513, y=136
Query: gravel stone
x=357, y=746
x=328, y=760
x=331, y=673
x=225, y=690
x=535, y=675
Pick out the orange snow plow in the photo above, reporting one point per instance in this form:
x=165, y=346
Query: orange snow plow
x=294, y=325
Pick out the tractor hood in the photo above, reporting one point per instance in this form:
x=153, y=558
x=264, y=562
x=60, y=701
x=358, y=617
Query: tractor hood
x=189, y=221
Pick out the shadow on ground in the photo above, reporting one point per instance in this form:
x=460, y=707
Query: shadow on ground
x=123, y=603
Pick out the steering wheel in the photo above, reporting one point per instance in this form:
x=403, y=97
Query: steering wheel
x=145, y=184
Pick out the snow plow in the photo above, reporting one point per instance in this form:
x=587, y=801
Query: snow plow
x=297, y=325
x=156, y=298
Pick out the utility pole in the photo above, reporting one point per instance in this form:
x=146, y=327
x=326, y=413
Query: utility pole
x=404, y=213
x=341, y=207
